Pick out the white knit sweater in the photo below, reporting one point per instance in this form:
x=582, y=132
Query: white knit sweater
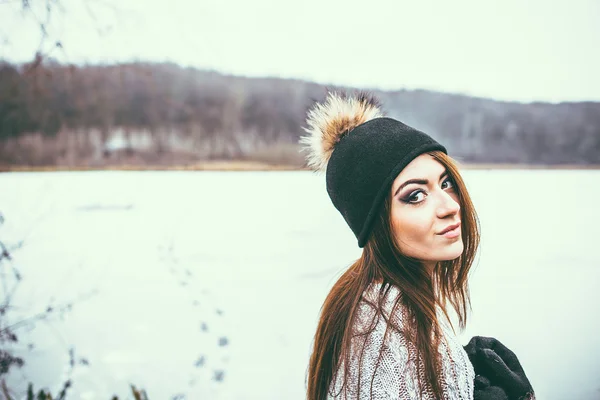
x=396, y=375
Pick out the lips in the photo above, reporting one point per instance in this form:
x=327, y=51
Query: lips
x=451, y=229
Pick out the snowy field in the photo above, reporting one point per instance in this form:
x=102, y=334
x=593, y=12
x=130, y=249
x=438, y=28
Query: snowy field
x=207, y=285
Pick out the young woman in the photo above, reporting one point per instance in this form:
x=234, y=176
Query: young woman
x=386, y=329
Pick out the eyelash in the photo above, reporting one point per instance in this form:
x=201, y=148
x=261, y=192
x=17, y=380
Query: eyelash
x=407, y=200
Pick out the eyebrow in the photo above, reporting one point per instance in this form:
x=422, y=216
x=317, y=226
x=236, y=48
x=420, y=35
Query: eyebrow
x=418, y=181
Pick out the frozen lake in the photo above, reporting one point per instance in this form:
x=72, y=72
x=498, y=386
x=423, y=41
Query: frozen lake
x=207, y=285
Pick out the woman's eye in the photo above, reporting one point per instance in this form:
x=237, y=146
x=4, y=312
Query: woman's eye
x=447, y=184
x=416, y=197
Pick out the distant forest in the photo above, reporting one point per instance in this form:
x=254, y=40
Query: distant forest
x=164, y=114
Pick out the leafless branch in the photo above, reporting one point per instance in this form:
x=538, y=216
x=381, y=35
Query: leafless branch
x=5, y=390
x=43, y=12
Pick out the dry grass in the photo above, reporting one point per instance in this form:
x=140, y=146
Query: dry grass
x=72, y=151
x=199, y=166
x=227, y=165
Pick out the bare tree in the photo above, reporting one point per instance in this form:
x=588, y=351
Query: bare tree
x=50, y=17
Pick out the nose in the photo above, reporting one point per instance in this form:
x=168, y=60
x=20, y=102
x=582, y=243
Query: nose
x=448, y=205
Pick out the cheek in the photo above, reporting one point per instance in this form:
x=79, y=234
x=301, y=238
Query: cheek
x=412, y=226
x=454, y=197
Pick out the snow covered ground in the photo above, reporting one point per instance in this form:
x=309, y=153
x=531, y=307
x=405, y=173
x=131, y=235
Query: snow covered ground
x=207, y=285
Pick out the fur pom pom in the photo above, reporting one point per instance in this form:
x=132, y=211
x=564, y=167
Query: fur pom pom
x=327, y=122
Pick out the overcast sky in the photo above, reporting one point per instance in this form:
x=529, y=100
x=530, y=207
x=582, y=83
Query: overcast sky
x=507, y=49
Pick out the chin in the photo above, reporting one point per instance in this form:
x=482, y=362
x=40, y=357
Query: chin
x=452, y=252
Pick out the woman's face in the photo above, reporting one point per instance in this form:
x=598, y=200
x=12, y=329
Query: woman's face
x=424, y=206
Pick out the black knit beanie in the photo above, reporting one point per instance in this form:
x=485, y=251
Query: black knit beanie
x=362, y=152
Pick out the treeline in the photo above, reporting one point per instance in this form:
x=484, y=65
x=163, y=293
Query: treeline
x=163, y=113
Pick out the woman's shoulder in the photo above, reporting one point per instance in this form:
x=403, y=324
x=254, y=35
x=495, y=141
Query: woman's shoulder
x=380, y=364
x=381, y=302
x=385, y=293
x=377, y=287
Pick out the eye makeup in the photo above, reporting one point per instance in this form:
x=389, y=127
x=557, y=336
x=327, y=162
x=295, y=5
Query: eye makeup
x=412, y=196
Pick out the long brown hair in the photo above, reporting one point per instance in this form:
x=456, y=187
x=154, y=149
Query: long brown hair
x=381, y=260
